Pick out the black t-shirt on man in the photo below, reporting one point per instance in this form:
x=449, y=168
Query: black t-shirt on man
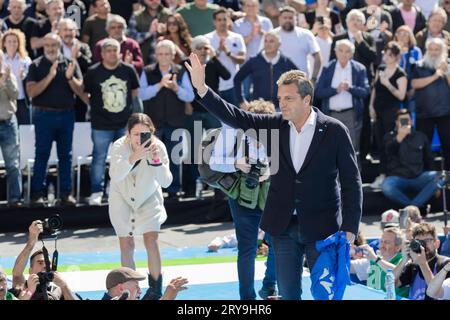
x=58, y=94
x=110, y=90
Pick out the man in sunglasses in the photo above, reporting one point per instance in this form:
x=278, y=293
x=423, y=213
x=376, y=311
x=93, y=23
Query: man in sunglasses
x=416, y=270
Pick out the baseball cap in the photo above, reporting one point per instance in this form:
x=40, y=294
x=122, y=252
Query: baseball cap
x=121, y=275
x=390, y=218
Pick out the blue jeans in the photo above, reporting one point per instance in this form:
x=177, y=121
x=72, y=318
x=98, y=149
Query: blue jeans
x=229, y=96
x=164, y=134
x=246, y=223
x=52, y=126
x=290, y=247
x=270, y=276
x=423, y=186
x=9, y=145
x=101, y=140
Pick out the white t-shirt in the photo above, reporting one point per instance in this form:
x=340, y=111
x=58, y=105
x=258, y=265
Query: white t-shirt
x=235, y=43
x=427, y=6
x=297, y=45
x=446, y=287
x=361, y=267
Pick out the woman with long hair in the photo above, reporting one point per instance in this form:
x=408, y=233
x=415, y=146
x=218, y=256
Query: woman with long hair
x=178, y=32
x=388, y=93
x=16, y=57
x=139, y=169
x=411, y=54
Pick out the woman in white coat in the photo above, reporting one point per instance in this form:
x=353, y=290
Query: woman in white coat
x=136, y=205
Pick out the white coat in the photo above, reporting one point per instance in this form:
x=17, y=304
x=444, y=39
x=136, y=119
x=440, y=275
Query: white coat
x=136, y=203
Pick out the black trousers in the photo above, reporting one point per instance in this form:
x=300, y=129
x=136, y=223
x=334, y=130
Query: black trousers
x=384, y=124
x=443, y=127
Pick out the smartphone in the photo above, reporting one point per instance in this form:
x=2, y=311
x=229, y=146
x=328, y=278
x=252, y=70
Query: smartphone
x=144, y=137
x=404, y=122
x=403, y=218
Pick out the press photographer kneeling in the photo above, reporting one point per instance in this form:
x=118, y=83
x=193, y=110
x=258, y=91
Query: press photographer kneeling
x=44, y=282
x=239, y=167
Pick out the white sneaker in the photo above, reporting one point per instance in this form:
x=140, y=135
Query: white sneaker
x=376, y=184
x=95, y=199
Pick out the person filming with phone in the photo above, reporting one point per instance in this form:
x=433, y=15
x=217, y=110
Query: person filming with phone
x=139, y=169
x=409, y=161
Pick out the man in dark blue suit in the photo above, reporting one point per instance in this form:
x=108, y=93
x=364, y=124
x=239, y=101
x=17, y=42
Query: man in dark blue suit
x=316, y=190
x=342, y=88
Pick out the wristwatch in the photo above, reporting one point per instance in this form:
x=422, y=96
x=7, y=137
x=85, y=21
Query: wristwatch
x=228, y=53
x=377, y=259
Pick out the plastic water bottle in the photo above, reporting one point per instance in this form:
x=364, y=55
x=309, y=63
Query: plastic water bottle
x=390, y=285
x=198, y=188
x=51, y=195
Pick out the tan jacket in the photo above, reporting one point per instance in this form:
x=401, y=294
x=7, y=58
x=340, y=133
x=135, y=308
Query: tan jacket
x=8, y=97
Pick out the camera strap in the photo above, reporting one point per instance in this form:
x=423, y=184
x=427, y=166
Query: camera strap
x=46, y=258
x=55, y=258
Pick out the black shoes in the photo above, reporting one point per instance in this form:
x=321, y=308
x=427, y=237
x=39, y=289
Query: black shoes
x=154, y=291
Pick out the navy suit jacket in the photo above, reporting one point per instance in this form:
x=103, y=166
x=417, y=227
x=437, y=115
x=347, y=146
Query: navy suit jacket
x=327, y=185
x=359, y=90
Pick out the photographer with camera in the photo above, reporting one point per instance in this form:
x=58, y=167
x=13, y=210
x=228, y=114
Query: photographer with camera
x=139, y=169
x=123, y=284
x=373, y=266
x=420, y=262
x=409, y=159
x=42, y=284
x=247, y=194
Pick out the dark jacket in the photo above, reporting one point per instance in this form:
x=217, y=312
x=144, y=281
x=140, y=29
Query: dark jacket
x=365, y=52
x=397, y=19
x=359, y=90
x=264, y=77
x=316, y=192
x=165, y=109
x=422, y=36
x=410, y=158
x=433, y=100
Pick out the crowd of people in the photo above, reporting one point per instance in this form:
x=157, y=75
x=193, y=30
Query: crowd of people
x=380, y=67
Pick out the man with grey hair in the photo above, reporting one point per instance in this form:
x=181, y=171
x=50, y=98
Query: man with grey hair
x=74, y=49
x=373, y=266
x=52, y=83
x=111, y=88
x=269, y=64
x=343, y=86
x=435, y=29
x=18, y=20
x=55, y=12
x=116, y=27
x=165, y=89
x=431, y=80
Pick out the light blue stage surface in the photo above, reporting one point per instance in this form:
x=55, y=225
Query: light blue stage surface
x=230, y=291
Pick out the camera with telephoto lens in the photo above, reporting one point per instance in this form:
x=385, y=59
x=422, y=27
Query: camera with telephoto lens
x=252, y=177
x=414, y=245
x=44, y=279
x=50, y=227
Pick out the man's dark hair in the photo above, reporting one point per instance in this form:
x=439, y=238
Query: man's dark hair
x=403, y=112
x=34, y=255
x=220, y=11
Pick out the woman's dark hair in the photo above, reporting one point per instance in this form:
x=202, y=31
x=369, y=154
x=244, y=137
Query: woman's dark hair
x=394, y=48
x=140, y=118
x=183, y=31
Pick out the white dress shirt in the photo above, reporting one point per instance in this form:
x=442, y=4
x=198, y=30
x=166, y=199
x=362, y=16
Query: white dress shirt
x=342, y=100
x=17, y=64
x=299, y=142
